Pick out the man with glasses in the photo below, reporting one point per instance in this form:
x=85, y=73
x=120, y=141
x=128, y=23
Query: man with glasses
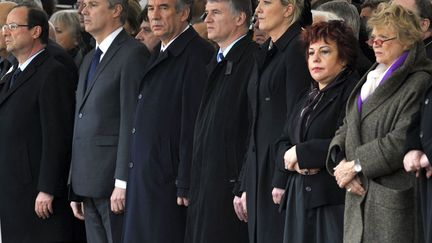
x=6, y=59
x=36, y=122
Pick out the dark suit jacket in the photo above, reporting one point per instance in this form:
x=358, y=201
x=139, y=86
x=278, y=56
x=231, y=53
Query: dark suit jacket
x=162, y=144
x=315, y=139
x=103, y=118
x=36, y=121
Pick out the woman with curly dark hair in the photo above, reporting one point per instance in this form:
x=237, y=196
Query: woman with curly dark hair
x=314, y=203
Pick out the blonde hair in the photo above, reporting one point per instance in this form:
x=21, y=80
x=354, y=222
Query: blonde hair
x=298, y=8
x=404, y=22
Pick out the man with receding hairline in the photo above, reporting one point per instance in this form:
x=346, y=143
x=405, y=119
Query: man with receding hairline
x=6, y=59
x=170, y=94
x=36, y=122
x=106, y=98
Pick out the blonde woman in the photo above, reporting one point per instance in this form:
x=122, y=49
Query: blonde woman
x=367, y=152
x=280, y=74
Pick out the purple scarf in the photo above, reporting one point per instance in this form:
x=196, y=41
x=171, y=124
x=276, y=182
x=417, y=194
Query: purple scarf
x=392, y=68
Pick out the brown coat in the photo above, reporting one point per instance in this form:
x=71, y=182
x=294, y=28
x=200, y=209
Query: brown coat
x=376, y=137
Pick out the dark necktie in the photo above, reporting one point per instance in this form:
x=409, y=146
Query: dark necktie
x=220, y=57
x=15, y=75
x=95, y=61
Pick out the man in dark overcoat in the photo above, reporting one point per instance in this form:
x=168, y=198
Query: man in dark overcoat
x=423, y=8
x=222, y=126
x=169, y=97
x=36, y=122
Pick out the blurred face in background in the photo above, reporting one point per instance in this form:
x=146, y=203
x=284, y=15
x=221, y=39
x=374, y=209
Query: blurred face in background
x=79, y=6
x=64, y=36
x=259, y=36
x=146, y=36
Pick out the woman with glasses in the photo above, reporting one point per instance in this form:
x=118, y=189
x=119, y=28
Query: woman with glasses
x=366, y=154
x=314, y=203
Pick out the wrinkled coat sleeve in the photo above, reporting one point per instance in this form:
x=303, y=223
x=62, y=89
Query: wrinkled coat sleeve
x=56, y=105
x=193, y=85
x=336, y=150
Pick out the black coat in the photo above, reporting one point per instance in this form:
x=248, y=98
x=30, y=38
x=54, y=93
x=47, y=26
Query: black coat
x=220, y=141
x=169, y=99
x=419, y=137
x=428, y=47
x=36, y=122
x=279, y=76
x=320, y=189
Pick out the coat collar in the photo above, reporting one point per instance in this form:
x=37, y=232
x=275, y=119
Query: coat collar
x=415, y=62
x=234, y=55
x=23, y=77
x=280, y=45
x=344, y=79
x=174, y=49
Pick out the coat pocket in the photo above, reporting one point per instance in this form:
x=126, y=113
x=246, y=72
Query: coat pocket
x=389, y=214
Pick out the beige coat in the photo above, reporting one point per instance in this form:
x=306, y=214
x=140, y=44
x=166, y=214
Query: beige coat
x=376, y=136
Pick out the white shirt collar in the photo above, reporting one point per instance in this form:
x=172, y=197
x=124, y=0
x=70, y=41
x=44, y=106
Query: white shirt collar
x=28, y=61
x=228, y=48
x=106, y=43
x=163, y=48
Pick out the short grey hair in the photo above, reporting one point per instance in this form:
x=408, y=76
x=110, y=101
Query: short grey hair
x=70, y=19
x=346, y=11
x=237, y=7
x=124, y=5
x=37, y=3
x=180, y=5
x=327, y=16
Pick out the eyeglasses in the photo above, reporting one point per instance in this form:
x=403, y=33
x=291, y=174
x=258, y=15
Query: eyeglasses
x=13, y=26
x=378, y=42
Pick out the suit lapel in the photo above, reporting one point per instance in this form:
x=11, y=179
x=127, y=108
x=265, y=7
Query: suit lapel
x=85, y=66
x=383, y=92
x=23, y=77
x=108, y=56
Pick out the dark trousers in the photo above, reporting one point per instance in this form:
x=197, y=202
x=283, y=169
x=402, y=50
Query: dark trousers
x=102, y=226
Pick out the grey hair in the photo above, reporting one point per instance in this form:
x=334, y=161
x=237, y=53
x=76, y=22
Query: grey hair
x=327, y=16
x=70, y=19
x=35, y=3
x=237, y=7
x=346, y=11
x=124, y=5
x=182, y=4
